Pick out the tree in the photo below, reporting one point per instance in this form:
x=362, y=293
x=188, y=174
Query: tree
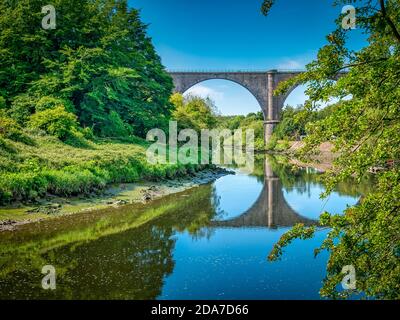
x=98, y=60
x=193, y=112
x=365, y=131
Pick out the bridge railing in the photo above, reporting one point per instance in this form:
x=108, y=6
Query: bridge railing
x=234, y=71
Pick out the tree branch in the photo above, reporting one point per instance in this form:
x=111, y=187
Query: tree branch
x=357, y=64
x=389, y=21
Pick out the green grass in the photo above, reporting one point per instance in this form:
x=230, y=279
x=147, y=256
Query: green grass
x=29, y=172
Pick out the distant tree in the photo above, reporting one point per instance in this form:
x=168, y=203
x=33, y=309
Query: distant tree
x=235, y=122
x=194, y=112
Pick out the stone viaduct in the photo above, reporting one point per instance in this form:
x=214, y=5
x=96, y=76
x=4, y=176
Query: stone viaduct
x=261, y=84
x=270, y=209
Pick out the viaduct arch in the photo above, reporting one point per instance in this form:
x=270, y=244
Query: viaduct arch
x=261, y=84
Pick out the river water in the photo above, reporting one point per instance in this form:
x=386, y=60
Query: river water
x=209, y=242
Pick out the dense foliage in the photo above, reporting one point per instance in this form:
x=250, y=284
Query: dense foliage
x=365, y=129
x=63, y=90
x=98, y=64
x=193, y=112
x=252, y=121
x=294, y=121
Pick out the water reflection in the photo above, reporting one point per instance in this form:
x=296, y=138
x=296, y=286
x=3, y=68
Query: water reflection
x=210, y=242
x=270, y=209
x=278, y=196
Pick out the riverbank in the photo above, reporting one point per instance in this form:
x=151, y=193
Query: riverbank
x=43, y=177
x=115, y=195
x=322, y=160
x=31, y=172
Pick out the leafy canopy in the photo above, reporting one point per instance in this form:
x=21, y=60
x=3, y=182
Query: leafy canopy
x=98, y=63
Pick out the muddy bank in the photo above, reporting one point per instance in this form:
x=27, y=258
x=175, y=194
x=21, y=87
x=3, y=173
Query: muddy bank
x=114, y=196
x=324, y=153
x=322, y=160
x=321, y=166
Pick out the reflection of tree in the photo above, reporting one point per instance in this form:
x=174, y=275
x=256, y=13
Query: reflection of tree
x=130, y=265
x=125, y=261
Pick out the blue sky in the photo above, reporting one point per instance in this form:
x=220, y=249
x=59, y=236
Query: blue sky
x=233, y=34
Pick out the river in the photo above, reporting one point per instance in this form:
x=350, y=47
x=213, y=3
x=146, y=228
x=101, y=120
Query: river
x=209, y=242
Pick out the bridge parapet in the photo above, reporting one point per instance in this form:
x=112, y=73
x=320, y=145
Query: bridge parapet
x=236, y=71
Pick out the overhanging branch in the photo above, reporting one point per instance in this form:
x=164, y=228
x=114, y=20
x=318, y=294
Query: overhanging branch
x=389, y=21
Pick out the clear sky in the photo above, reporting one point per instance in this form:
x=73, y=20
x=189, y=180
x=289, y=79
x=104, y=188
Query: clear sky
x=233, y=34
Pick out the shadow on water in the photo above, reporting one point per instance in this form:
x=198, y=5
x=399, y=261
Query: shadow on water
x=209, y=242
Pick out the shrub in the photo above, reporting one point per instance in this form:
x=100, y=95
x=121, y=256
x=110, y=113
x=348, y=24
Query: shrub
x=271, y=144
x=77, y=139
x=57, y=122
x=22, y=108
x=88, y=133
x=48, y=102
x=4, y=146
x=282, y=146
x=10, y=129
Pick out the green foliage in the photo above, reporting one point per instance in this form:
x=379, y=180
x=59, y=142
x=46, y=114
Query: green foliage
x=35, y=171
x=364, y=129
x=2, y=103
x=193, y=112
x=115, y=126
x=290, y=126
x=252, y=121
x=97, y=63
x=230, y=122
x=299, y=231
x=76, y=138
x=48, y=102
x=57, y=122
x=11, y=130
x=295, y=121
x=272, y=143
x=22, y=107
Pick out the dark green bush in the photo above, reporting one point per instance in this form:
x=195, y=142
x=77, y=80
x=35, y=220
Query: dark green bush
x=115, y=126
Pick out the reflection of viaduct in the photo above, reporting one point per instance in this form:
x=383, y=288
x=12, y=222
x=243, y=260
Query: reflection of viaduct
x=261, y=84
x=270, y=210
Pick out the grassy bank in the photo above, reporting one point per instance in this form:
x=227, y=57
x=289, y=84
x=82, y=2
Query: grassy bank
x=46, y=166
